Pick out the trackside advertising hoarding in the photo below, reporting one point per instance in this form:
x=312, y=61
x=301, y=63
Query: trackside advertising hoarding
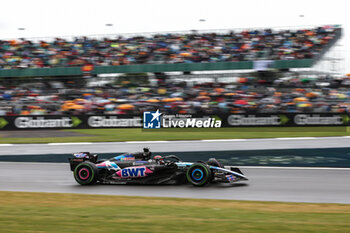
x=68, y=122
x=188, y=121
x=288, y=119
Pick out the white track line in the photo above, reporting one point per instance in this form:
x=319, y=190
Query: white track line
x=69, y=143
x=185, y=141
x=35, y=163
x=146, y=141
x=297, y=138
x=224, y=140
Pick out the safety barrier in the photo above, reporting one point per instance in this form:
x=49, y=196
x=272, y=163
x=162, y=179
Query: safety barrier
x=327, y=157
x=166, y=121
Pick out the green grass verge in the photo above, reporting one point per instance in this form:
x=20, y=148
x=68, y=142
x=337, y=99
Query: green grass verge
x=40, y=212
x=114, y=135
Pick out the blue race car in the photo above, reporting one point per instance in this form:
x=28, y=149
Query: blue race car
x=143, y=168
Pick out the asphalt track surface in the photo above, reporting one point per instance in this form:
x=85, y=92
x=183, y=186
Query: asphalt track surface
x=177, y=146
x=321, y=185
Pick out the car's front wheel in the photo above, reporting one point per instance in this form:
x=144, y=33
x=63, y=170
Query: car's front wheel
x=198, y=174
x=86, y=173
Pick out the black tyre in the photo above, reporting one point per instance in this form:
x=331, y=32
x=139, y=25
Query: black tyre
x=214, y=162
x=86, y=173
x=198, y=174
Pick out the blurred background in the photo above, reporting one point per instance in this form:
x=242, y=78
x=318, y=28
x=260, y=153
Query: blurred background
x=189, y=57
x=90, y=68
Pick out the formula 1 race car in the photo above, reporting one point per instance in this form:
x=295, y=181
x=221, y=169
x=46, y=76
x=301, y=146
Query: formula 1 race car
x=143, y=168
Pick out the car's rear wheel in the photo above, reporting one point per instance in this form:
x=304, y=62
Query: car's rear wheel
x=86, y=173
x=198, y=174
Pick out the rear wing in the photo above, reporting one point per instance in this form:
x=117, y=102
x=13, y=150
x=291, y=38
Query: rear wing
x=81, y=157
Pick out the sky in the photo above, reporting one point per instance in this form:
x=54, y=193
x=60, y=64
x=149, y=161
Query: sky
x=44, y=18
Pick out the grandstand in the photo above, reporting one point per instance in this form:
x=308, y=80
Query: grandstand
x=186, y=52
x=59, y=69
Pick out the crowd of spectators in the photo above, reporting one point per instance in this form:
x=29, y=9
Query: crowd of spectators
x=167, y=48
x=205, y=98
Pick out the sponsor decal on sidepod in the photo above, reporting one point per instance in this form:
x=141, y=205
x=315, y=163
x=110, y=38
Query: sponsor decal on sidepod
x=134, y=172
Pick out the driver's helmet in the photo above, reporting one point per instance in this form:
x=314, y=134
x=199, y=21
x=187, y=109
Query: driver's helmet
x=147, y=153
x=159, y=159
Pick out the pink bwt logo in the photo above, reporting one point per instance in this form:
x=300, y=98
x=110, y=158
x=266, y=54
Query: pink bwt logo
x=134, y=172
